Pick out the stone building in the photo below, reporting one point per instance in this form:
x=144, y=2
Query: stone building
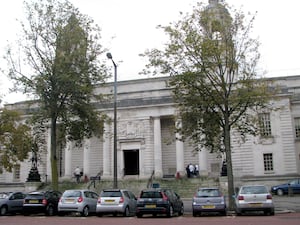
x=146, y=141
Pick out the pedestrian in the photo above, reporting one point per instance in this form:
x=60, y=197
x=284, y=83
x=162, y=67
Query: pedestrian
x=188, y=173
x=77, y=174
x=192, y=168
x=196, y=170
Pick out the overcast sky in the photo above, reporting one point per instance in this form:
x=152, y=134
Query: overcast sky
x=132, y=24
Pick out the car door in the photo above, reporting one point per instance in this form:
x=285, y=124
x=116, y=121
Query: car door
x=131, y=201
x=296, y=188
x=15, y=202
x=91, y=198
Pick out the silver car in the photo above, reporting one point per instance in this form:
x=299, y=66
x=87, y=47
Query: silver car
x=254, y=198
x=116, y=201
x=11, y=202
x=78, y=201
x=208, y=200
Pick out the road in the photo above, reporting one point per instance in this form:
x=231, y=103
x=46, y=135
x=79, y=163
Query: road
x=278, y=219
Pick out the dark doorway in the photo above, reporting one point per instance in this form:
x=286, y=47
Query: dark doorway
x=131, y=162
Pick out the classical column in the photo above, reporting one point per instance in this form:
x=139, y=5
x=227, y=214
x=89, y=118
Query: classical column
x=157, y=148
x=68, y=159
x=203, y=169
x=179, y=152
x=86, y=157
x=106, y=149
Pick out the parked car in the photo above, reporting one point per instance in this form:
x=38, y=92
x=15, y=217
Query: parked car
x=41, y=202
x=78, y=201
x=116, y=201
x=159, y=201
x=254, y=198
x=208, y=200
x=282, y=189
x=11, y=202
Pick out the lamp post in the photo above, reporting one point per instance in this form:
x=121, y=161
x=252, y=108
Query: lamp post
x=109, y=56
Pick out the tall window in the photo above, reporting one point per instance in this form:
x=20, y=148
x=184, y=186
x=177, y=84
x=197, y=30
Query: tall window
x=297, y=127
x=265, y=124
x=268, y=162
x=16, y=173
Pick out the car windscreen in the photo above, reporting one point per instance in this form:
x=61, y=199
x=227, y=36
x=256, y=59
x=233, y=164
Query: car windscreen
x=111, y=194
x=208, y=193
x=254, y=190
x=35, y=195
x=69, y=194
x=151, y=194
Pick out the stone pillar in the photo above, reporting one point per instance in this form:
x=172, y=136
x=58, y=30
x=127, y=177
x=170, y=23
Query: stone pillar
x=157, y=148
x=180, y=168
x=106, y=149
x=203, y=167
x=86, y=157
x=68, y=159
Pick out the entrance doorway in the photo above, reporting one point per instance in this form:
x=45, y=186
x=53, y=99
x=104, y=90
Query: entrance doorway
x=131, y=162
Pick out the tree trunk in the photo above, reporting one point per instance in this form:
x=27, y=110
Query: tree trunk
x=53, y=157
x=229, y=163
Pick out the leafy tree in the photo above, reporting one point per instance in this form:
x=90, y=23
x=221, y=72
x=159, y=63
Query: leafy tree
x=61, y=50
x=15, y=139
x=212, y=60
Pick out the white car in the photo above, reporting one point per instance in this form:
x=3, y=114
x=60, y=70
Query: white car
x=116, y=201
x=81, y=201
x=254, y=198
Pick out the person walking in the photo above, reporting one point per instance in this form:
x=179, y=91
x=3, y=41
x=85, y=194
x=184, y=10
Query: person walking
x=77, y=174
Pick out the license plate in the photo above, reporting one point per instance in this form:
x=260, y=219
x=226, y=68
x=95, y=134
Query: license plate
x=150, y=206
x=33, y=201
x=208, y=207
x=255, y=204
x=110, y=200
x=69, y=200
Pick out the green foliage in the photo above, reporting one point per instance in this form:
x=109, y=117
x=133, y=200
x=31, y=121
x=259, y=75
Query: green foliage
x=62, y=52
x=15, y=139
x=212, y=60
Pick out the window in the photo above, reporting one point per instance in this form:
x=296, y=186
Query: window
x=16, y=173
x=265, y=124
x=297, y=127
x=268, y=162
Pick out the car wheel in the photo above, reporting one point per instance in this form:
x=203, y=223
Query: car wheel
x=279, y=192
x=139, y=215
x=85, y=211
x=3, y=210
x=100, y=214
x=50, y=210
x=181, y=211
x=194, y=214
x=126, y=212
x=170, y=212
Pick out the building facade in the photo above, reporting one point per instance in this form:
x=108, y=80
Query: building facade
x=147, y=142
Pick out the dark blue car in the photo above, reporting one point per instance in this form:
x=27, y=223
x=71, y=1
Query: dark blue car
x=282, y=189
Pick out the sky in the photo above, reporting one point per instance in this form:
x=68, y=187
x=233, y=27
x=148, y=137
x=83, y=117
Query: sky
x=129, y=28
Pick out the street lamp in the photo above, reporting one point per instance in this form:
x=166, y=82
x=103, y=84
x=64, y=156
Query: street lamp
x=109, y=56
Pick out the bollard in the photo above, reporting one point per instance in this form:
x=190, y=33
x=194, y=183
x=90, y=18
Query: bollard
x=290, y=191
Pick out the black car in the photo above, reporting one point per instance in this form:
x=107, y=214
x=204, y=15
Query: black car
x=11, y=202
x=159, y=201
x=41, y=202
